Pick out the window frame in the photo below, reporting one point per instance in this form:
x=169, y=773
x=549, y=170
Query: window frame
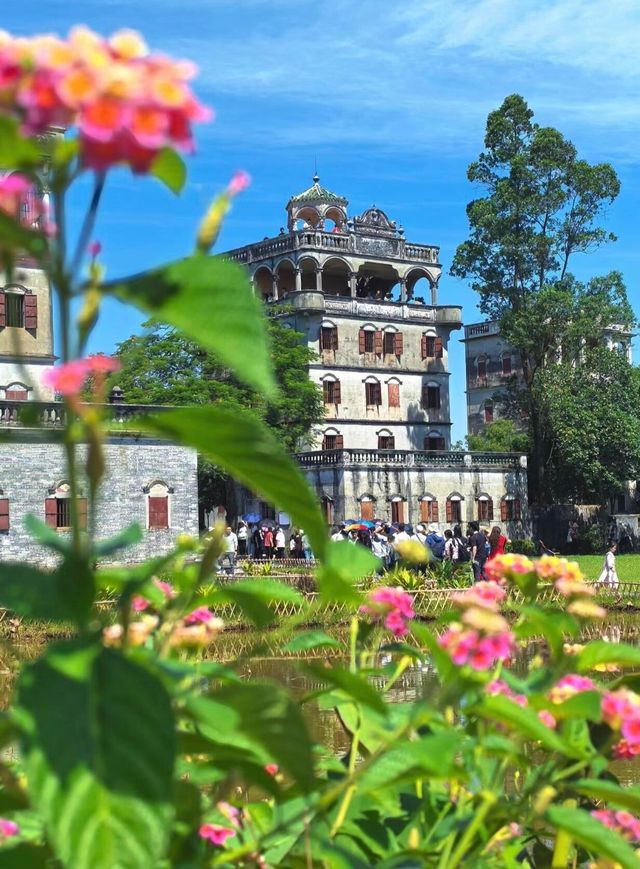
x=14, y=305
x=372, y=389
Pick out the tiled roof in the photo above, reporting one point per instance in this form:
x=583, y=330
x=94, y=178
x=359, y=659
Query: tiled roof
x=317, y=193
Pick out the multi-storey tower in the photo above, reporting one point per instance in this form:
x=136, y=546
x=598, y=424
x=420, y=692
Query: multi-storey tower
x=365, y=300
x=351, y=287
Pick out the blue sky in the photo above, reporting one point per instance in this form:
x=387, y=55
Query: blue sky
x=390, y=98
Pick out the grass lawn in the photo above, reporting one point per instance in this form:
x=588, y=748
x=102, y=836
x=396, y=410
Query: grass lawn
x=628, y=566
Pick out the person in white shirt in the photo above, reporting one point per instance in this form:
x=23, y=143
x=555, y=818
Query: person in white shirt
x=609, y=575
x=280, y=542
x=338, y=533
x=242, y=534
x=230, y=543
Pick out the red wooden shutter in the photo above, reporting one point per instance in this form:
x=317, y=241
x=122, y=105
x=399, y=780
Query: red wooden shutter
x=51, y=512
x=159, y=512
x=337, y=396
x=438, y=343
x=449, y=511
x=398, y=343
x=482, y=369
x=506, y=364
x=504, y=510
x=424, y=511
x=434, y=511
x=361, y=339
x=334, y=345
x=82, y=512
x=377, y=343
x=423, y=347
x=339, y=442
x=394, y=394
x=321, y=338
x=3, y=309
x=377, y=391
x=4, y=514
x=30, y=312
x=490, y=510
x=517, y=510
x=437, y=397
x=366, y=510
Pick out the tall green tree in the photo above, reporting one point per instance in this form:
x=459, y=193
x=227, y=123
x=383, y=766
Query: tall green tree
x=161, y=366
x=542, y=206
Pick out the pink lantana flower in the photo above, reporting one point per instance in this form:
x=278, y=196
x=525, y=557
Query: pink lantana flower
x=68, y=378
x=272, y=769
x=393, y=606
x=500, y=688
x=8, y=829
x=215, y=833
x=570, y=685
x=547, y=718
x=94, y=249
x=240, y=181
x=199, y=616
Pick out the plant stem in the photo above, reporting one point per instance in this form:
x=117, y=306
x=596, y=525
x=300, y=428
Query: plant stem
x=87, y=225
x=563, y=844
x=488, y=800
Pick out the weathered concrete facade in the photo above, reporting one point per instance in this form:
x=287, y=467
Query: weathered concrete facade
x=33, y=471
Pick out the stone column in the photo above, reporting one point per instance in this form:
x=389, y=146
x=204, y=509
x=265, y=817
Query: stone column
x=352, y=284
x=434, y=294
x=403, y=290
x=298, y=275
x=275, y=285
x=319, y=280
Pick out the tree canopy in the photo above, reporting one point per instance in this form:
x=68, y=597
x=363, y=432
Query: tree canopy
x=161, y=366
x=543, y=206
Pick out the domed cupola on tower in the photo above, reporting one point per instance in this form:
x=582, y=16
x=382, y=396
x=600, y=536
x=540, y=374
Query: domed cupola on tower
x=316, y=208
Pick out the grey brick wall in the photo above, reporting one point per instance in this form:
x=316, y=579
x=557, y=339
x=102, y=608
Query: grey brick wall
x=29, y=469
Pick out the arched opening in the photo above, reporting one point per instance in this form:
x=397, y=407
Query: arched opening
x=335, y=277
x=386, y=440
x=16, y=392
x=376, y=280
x=158, y=503
x=454, y=508
x=434, y=441
x=308, y=273
x=332, y=440
x=398, y=510
x=428, y=508
x=263, y=283
x=485, y=508
x=334, y=220
x=286, y=277
x=307, y=218
x=419, y=287
x=367, y=508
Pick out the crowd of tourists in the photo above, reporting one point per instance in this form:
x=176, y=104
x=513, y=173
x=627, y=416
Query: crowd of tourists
x=263, y=541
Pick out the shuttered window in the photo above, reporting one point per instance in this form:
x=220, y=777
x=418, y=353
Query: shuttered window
x=333, y=442
x=329, y=338
x=488, y=411
x=372, y=394
x=510, y=509
x=397, y=512
x=506, y=364
x=30, y=311
x=386, y=442
x=331, y=391
x=367, y=510
x=485, y=510
x=158, y=511
x=16, y=394
x=454, y=511
x=4, y=514
x=434, y=442
x=14, y=309
x=431, y=397
x=57, y=512
x=367, y=341
x=393, y=394
x=389, y=343
x=429, y=510
x=482, y=368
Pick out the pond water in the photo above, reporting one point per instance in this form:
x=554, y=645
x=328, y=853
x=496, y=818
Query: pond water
x=257, y=659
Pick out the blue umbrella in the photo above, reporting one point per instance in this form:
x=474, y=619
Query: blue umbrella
x=368, y=523
x=252, y=517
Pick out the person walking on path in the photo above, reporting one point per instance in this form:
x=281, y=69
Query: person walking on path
x=497, y=543
x=242, y=534
x=609, y=575
x=478, y=547
x=267, y=542
x=230, y=543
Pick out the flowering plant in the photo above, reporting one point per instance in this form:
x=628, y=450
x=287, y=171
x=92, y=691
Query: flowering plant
x=135, y=749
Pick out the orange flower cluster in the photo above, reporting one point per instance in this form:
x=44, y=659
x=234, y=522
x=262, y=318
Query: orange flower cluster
x=128, y=104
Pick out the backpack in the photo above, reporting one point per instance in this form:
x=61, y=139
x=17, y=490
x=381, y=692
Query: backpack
x=463, y=550
x=436, y=545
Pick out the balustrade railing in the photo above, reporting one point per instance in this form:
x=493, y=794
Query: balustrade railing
x=346, y=242
x=427, y=458
x=51, y=414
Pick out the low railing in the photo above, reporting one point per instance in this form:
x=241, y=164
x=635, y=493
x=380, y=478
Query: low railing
x=476, y=329
x=320, y=240
x=426, y=458
x=51, y=414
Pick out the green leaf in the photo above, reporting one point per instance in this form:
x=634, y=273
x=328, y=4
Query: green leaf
x=257, y=598
x=122, y=540
x=16, y=151
x=19, y=238
x=24, y=856
x=36, y=594
x=609, y=792
x=592, y=835
x=211, y=301
x=308, y=640
x=169, y=168
x=98, y=744
x=585, y=704
x=261, y=718
x=433, y=754
x=343, y=565
x=243, y=446
x=524, y=720
x=46, y=535
x=600, y=652
x=353, y=685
